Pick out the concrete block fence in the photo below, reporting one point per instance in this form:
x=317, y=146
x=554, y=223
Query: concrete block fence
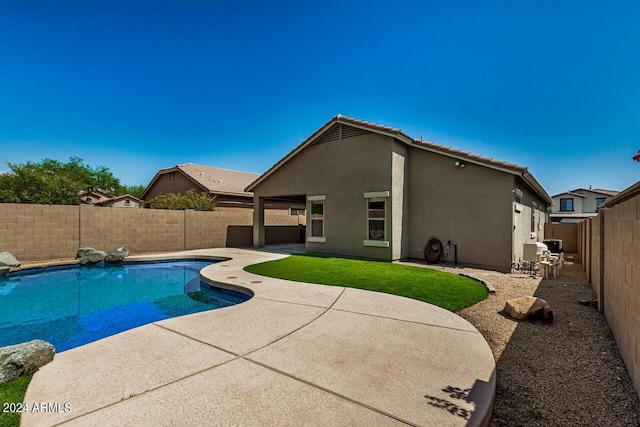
x=47, y=232
x=610, y=252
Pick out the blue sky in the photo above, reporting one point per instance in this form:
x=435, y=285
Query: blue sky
x=141, y=85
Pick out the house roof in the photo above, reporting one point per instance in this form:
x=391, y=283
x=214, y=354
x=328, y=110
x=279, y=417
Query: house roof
x=211, y=179
x=577, y=192
x=118, y=198
x=397, y=134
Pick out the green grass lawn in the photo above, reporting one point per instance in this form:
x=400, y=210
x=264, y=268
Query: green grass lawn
x=443, y=289
x=12, y=392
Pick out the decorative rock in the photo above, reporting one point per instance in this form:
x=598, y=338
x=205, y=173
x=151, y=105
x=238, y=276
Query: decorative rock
x=24, y=359
x=7, y=259
x=117, y=254
x=90, y=255
x=529, y=308
x=4, y=269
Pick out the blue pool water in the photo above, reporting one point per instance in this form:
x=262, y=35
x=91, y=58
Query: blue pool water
x=72, y=306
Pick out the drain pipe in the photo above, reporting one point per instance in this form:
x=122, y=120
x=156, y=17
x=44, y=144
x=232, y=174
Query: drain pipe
x=455, y=251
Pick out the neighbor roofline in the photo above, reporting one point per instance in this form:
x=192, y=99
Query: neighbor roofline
x=167, y=170
x=118, y=198
x=570, y=193
x=602, y=191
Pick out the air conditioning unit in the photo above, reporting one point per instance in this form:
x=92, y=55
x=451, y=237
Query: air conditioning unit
x=532, y=252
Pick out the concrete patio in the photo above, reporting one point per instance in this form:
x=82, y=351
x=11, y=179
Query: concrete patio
x=294, y=354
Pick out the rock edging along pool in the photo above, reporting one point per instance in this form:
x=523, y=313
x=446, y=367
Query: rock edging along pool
x=70, y=306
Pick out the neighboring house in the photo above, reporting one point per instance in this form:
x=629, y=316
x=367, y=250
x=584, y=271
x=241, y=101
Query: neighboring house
x=578, y=204
x=374, y=192
x=124, y=201
x=93, y=197
x=227, y=187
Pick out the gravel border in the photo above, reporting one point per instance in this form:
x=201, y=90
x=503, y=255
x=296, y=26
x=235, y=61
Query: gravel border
x=568, y=372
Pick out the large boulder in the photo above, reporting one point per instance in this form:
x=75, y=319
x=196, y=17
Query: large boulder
x=9, y=260
x=90, y=255
x=115, y=255
x=24, y=359
x=525, y=308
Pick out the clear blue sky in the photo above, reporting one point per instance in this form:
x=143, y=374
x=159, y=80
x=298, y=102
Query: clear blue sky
x=141, y=85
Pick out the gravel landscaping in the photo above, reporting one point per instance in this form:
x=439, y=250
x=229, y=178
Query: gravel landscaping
x=568, y=372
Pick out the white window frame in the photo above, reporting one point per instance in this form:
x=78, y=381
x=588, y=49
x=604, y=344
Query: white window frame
x=377, y=196
x=319, y=199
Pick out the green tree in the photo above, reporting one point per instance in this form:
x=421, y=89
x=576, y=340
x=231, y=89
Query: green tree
x=53, y=182
x=178, y=201
x=134, y=190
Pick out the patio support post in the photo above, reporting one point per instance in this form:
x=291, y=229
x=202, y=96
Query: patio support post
x=258, y=221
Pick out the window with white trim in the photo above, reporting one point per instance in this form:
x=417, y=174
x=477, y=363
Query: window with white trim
x=566, y=205
x=376, y=218
x=377, y=229
x=316, y=213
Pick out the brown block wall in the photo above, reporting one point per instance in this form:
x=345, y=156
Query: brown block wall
x=622, y=280
x=39, y=232
x=210, y=229
x=141, y=230
x=568, y=233
x=44, y=232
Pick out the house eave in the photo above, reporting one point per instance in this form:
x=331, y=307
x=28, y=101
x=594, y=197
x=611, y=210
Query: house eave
x=623, y=196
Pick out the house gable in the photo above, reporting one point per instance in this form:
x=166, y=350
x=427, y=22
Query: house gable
x=341, y=127
x=339, y=132
x=170, y=180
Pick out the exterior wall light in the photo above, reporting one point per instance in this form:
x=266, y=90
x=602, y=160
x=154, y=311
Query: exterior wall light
x=459, y=164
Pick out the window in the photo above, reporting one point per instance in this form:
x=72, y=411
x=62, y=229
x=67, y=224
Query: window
x=566, y=205
x=376, y=218
x=599, y=201
x=533, y=218
x=127, y=202
x=377, y=233
x=316, y=206
x=297, y=211
x=172, y=177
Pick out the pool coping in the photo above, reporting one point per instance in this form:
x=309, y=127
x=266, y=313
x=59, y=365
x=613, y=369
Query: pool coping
x=294, y=353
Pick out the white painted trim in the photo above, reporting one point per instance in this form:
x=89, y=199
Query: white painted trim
x=316, y=198
x=316, y=239
x=376, y=243
x=376, y=194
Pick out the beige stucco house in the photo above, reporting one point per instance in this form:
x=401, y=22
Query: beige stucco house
x=100, y=198
x=93, y=197
x=226, y=187
x=372, y=191
x=123, y=201
x=579, y=204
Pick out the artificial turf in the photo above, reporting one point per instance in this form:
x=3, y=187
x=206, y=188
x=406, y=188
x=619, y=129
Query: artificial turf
x=12, y=392
x=443, y=289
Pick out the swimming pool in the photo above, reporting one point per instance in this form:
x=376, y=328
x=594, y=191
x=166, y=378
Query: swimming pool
x=71, y=306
